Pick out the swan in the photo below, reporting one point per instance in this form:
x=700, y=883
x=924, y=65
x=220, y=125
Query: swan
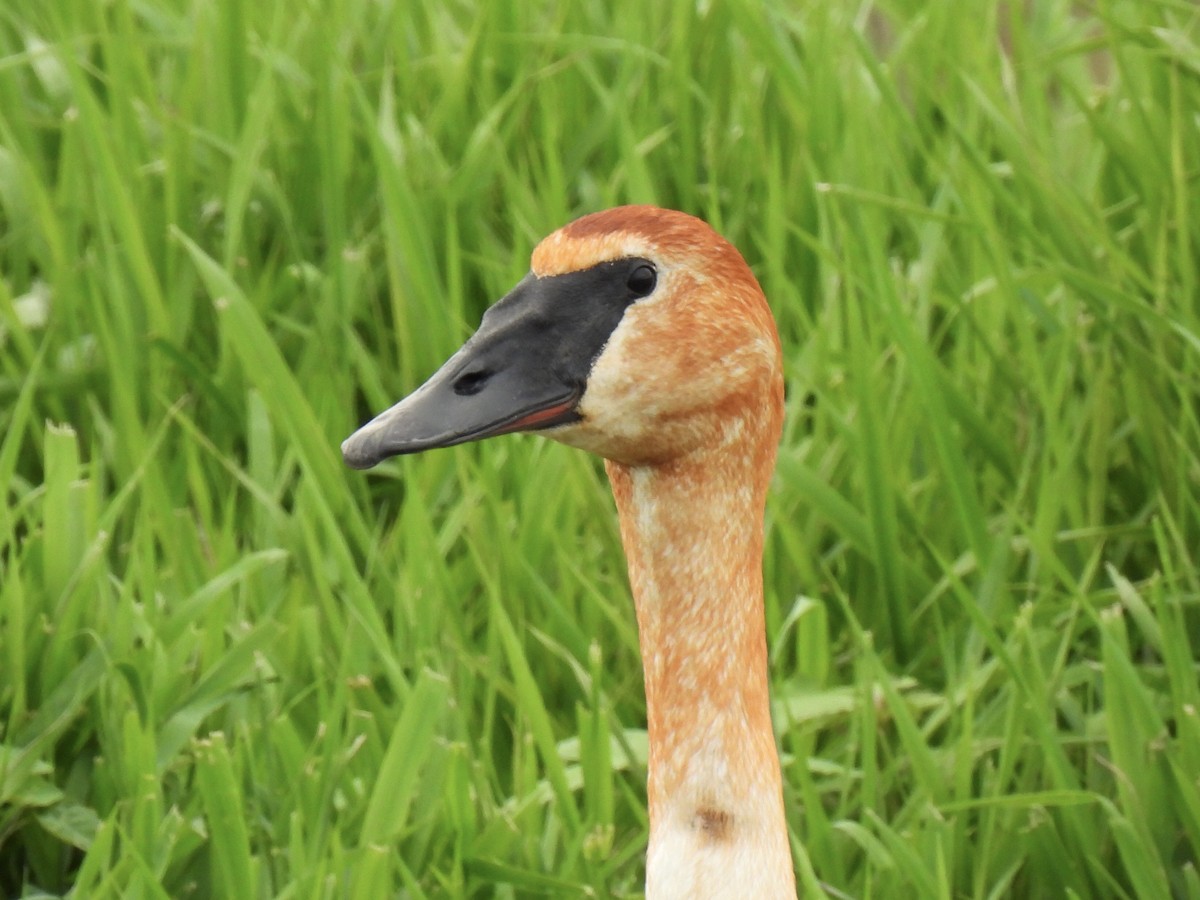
x=642, y=336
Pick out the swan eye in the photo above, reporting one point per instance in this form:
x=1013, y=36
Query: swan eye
x=642, y=281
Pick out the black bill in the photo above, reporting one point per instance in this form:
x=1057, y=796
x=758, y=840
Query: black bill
x=525, y=369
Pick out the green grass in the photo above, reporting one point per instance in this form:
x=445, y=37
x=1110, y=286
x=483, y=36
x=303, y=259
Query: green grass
x=230, y=667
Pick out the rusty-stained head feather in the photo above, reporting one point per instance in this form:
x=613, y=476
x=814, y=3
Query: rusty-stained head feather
x=626, y=231
x=694, y=359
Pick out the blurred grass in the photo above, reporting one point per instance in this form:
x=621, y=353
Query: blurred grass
x=228, y=232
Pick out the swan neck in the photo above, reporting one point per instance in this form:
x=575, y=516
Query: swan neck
x=693, y=536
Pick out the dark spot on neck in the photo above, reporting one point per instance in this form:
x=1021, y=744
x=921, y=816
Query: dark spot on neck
x=713, y=824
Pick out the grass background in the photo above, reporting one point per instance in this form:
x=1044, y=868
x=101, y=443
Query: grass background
x=228, y=232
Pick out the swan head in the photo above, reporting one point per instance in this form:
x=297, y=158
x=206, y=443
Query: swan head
x=639, y=334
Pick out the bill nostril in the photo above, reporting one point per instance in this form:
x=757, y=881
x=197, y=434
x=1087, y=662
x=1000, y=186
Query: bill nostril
x=471, y=382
